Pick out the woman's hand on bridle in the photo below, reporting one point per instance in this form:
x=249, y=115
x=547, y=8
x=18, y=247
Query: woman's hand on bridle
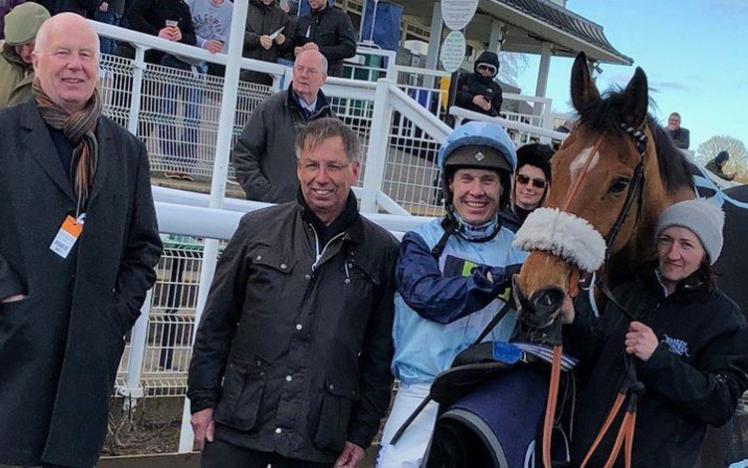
x=641, y=341
x=567, y=310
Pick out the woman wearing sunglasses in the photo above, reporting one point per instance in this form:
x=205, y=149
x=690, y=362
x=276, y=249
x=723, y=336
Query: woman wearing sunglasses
x=530, y=183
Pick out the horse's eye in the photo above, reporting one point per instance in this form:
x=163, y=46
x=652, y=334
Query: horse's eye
x=619, y=185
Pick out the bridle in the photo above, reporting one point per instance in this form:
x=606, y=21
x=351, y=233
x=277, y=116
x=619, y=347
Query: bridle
x=636, y=189
x=634, y=194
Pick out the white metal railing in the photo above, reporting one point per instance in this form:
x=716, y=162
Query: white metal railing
x=520, y=132
x=430, y=88
x=177, y=113
x=370, y=64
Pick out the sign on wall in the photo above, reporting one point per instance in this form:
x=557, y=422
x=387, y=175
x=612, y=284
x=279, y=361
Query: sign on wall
x=458, y=13
x=453, y=51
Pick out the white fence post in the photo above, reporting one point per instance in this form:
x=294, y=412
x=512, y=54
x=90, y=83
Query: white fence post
x=137, y=90
x=218, y=184
x=138, y=337
x=547, y=122
x=376, y=156
x=391, y=73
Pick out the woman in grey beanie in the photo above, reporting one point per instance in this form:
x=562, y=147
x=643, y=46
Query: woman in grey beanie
x=686, y=339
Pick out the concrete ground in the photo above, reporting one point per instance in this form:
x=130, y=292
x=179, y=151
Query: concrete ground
x=189, y=460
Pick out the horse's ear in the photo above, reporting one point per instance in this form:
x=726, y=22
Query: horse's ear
x=637, y=99
x=583, y=90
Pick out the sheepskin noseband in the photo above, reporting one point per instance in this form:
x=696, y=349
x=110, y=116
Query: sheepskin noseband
x=564, y=235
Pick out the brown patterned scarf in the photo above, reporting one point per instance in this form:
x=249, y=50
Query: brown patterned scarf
x=80, y=129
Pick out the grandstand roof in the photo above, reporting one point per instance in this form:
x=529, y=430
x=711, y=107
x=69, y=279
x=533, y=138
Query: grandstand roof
x=532, y=22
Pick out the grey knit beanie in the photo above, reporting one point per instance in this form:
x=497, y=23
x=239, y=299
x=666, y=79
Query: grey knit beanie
x=700, y=217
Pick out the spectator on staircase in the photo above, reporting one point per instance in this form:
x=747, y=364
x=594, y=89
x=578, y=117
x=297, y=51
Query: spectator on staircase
x=478, y=91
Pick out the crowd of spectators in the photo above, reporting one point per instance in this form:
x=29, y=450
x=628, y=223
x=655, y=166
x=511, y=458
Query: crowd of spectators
x=273, y=30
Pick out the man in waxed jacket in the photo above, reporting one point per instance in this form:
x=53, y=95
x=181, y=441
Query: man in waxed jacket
x=16, y=69
x=264, y=157
x=451, y=278
x=478, y=91
x=328, y=30
x=291, y=359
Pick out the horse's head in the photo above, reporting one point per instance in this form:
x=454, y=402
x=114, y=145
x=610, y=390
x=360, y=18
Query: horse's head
x=595, y=206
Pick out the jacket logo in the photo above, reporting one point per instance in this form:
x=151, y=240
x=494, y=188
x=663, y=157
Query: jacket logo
x=676, y=346
x=479, y=156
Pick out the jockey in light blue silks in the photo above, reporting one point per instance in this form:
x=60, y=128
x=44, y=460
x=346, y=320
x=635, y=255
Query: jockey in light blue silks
x=452, y=279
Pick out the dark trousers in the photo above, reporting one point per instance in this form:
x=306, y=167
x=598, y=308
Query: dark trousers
x=220, y=454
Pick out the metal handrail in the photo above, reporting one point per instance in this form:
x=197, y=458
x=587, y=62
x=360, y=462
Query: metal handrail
x=545, y=135
x=147, y=41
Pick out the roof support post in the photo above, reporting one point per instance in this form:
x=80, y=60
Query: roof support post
x=432, y=58
x=496, y=39
x=545, y=65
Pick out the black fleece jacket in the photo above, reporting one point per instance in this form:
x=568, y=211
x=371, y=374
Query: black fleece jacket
x=474, y=84
x=693, y=379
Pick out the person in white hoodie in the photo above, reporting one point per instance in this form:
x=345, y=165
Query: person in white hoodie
x=212, y=21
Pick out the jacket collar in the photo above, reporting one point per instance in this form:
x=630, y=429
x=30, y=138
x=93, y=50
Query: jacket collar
x=688, y=290
x=321, y=12
x=323, y=105
x=40, y=146
x=349, y=221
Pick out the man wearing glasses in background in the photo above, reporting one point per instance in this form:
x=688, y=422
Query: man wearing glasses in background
x=681, y=136
x=264, y=157
x=479, y=92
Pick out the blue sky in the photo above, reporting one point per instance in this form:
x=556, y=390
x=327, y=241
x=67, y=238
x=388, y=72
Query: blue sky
x=694, y=52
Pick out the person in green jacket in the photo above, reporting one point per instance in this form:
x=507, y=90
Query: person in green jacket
x=717, y=165
x=16, y=70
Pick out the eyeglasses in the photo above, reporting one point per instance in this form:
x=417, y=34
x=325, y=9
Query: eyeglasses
x=330, y=168
x=484, y=67
x=537, y=183
x=300, y=69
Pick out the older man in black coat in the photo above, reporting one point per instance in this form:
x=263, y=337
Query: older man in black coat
x=78, y=243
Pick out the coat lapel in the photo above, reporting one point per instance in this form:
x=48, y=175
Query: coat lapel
x=107, y=151
x=39, y=143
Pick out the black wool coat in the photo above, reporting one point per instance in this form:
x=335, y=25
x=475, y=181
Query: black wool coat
x=60, y=347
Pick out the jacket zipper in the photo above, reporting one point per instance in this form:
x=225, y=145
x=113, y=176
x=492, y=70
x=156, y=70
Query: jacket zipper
x=319, y=254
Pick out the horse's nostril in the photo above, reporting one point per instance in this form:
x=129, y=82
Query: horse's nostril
x=548, y=301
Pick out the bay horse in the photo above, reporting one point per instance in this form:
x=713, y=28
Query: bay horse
x=613, y=177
